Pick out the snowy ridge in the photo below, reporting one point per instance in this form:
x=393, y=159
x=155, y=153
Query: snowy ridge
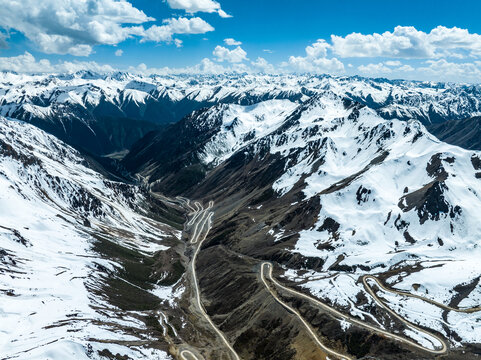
x=426, y=101
x=103, y=114
x=51, y=209
x=242, y=125
x=390, y=196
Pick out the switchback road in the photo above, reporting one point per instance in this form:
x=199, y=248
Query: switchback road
x=292, y=310
x=204, y=221
x=404, y=293
x=442, y=347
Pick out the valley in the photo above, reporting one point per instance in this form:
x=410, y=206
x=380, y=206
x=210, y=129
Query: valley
x=232, y=180
x=286, y=228
x=437, y=345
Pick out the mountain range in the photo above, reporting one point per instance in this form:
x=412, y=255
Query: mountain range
x=103, y=114
x=368, y=221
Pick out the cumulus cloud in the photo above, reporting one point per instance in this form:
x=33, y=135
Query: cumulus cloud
x=392, y=63
x=437, y=70
x=119, y=52
x=27, y=63
x=262, y=65
x=315, y=60
x=193, y=6
x=206, y=66
x=173, y=26
x=449, y=71
x=318, y=49
x=232, y=42
x=374, y=69
x=321, y=65
x=74, y=26
x=405, y=68
x=236, y=55
x=409, y=43
x=385, y=68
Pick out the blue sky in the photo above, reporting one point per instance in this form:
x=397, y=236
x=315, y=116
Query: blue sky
x=423, y=39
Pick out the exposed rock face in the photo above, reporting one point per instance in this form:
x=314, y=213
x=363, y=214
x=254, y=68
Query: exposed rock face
x=461, y=132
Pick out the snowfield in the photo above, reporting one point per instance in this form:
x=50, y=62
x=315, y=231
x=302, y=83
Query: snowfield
x=242, y=125
x=50, y=207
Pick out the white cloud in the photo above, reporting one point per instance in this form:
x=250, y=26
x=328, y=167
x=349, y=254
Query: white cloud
x=74, y=26
x=119, y=52
x=319, y=66
x=393, y=63
x=178, y=43
x=269, y=51
x=236, y=55
x=262, y=65
x=409, y=43
x=374, y=69
x=432, y=70
x=193, y=25
x=388, y=68
x=448, y=71
x=318, y=49
x=193, y=6
x=405, y=68
x=173, y=26
x=27, y=63
x=206, y=66
x=232, y=42
x=437, y=70
x=315, y=60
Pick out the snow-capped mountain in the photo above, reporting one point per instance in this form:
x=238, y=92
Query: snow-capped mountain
x=331, y=190
x=107, y=113
x=313, y=174
x=65, y=232
x=179, y=157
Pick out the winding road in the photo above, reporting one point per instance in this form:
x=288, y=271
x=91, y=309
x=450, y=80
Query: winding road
x=442, y=348
x=404, y=293
x=188, y=355
x=201, y=224
x=304, y=322
x=204, y=214
x=204, y=217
